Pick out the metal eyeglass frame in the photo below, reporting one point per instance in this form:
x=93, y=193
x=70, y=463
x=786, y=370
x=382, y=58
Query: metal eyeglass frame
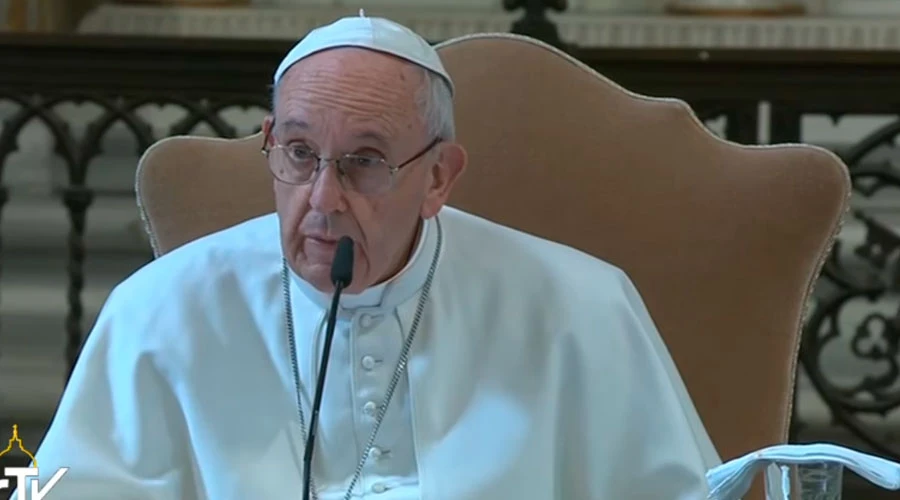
x=392, y=169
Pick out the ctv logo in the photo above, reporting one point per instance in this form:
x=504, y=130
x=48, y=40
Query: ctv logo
x=24, y=474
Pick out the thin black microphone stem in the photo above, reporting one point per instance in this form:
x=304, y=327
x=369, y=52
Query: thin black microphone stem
x=320, y=384
x=341, y=276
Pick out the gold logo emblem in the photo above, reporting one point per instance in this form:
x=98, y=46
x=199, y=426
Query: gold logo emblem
x=15, y=440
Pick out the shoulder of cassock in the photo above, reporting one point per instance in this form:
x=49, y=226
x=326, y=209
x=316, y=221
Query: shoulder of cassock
x=210, y=286
x=143, y=351
x=570, y=301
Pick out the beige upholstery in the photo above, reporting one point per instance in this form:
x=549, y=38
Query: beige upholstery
x=723, y=241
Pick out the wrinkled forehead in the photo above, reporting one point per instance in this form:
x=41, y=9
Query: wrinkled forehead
x=359, y=87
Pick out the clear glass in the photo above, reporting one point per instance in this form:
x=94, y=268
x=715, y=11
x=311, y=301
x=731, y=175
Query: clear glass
x=817, y=481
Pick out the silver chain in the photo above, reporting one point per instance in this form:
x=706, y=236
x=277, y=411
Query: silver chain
x=398, y=372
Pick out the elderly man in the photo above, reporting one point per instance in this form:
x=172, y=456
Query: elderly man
x=469, y=360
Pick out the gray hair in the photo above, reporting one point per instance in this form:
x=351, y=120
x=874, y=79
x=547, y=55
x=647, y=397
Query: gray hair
x=436, y=105
x=435, y=102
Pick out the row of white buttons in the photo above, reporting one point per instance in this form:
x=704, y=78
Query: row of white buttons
x=370, y=408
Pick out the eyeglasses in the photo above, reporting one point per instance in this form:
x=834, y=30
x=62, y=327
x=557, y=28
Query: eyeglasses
x=366, y=174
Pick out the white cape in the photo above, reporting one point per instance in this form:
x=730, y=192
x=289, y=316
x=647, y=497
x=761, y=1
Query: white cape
x=537, y=374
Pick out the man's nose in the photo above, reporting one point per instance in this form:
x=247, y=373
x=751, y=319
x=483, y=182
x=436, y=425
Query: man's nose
x=327, y=193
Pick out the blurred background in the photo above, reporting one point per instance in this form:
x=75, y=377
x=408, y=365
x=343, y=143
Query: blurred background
x=87, y=85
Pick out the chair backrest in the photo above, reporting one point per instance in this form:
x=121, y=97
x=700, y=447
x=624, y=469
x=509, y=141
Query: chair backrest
x=188, y=187
x=723, y=241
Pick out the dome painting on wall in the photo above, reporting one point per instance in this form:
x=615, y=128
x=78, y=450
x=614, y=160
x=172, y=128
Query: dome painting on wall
x=736, y=7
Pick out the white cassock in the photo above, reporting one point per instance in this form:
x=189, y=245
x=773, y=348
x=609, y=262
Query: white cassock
x=535, y=373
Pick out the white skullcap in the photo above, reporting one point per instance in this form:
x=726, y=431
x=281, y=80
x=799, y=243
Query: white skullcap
x=372, y=33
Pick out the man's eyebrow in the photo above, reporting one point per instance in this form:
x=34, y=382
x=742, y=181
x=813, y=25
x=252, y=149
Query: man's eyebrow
x=293, y=123
x=296, y=124
x=371, y=135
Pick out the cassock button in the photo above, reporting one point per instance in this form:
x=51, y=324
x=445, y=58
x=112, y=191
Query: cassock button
x=370, y=407
x=368, y=362
x=379, y=488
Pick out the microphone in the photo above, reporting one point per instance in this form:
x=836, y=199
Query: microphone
x=341, y=276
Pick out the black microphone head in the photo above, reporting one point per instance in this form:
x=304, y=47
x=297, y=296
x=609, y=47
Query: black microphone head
x=342, y=265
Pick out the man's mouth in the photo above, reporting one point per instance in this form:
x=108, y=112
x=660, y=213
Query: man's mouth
x=328, y=240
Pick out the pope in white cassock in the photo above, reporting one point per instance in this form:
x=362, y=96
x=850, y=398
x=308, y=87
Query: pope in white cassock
x=469, y=360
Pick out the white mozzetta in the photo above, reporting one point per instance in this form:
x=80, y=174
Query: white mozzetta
x=848, y=33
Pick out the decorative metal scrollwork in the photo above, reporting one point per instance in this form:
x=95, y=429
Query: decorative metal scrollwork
x=856, y=313
x=78, y=153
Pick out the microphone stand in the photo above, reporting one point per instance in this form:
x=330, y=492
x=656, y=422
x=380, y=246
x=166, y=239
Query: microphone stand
x=341, y=276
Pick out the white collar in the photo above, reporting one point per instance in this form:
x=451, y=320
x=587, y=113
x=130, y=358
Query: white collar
x=389, y=294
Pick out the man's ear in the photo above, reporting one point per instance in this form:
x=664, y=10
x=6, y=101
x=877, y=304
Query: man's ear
x=267, y=125
x=451, y=164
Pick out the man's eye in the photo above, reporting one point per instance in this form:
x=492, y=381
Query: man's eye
x=363, y=161
x=302, y=154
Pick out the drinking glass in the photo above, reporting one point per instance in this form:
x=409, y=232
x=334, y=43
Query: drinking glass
x=814, y=481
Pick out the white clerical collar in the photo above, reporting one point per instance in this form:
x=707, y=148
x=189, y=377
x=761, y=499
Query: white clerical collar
x=390, y=293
